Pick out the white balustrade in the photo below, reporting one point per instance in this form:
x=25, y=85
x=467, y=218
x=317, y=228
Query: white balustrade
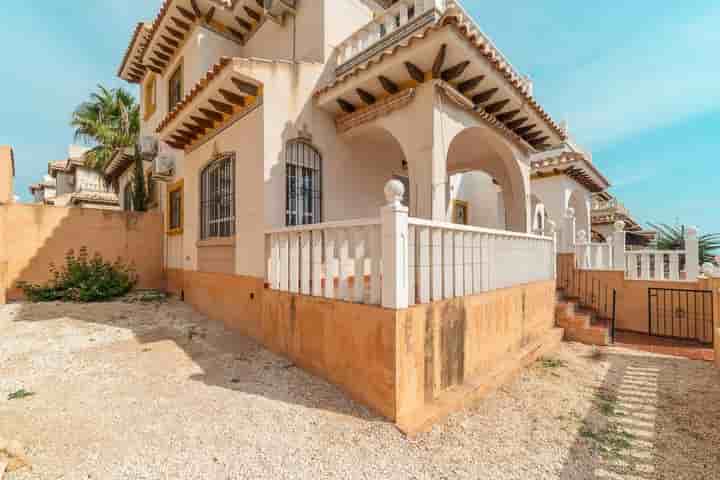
x=396, y=261
x=475, y=260
x=332, y=260
x=405, y=12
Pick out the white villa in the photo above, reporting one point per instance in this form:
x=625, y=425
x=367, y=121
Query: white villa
x=72, y=183
x=370, y=188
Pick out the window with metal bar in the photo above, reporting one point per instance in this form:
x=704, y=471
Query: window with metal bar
x=217, y=198
x=304, y=184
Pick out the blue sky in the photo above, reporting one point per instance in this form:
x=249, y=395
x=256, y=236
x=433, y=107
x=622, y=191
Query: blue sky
x=638, y=81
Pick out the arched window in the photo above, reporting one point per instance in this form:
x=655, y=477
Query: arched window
x=217, y=198
x=128, y=197
x=304, y=184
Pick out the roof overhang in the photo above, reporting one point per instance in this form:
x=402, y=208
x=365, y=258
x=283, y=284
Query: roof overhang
x=573, y=165
x=120, y=161
x=237, y=20
x=225, y=94
x=448, y=50
x=99, y=198
x=132, y=69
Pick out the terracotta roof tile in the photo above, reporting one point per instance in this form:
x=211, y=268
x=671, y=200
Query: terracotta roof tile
x=141, y=29
x=199, y=87
x=228, y=4
x=455, y=21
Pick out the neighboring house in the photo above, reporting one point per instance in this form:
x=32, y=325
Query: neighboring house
x=275, y=131
x=45, y=191
x=7, y=174
x=77, y=185
x=120, y=172
x=606, y=210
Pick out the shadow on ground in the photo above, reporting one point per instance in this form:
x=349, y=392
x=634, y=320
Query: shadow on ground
x=226, y=359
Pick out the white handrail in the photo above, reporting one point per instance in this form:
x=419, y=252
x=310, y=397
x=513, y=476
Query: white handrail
x=473, y=229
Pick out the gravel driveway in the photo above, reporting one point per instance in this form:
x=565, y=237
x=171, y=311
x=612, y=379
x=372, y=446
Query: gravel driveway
x=154, y=391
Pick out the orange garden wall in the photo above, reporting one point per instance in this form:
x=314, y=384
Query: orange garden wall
x=412, y=366
x=33, y=236
x=632, y=295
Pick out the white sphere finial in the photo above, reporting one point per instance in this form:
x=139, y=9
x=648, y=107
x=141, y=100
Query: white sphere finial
x=708, y=269
x=619, y=226
x=394, y=192
x=582, y=236
x=570, y=212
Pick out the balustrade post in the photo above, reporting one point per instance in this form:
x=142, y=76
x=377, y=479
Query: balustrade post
x=551, y=231
x=582, y=251
x=394, y=217
x=692, y=254
x=618, y=249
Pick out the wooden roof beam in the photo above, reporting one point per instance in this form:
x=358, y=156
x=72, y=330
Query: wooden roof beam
x=455, y=72
x=389, y=86
x=346, y=106
x=366, y=96
x=221, y=106
x=245, y=87
x=414, y=72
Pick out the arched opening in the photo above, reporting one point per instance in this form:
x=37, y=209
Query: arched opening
x=540, y=214
x=367, y=158
x=485, y=174
x=303, y=188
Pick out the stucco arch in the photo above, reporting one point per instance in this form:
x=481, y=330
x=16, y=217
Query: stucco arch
x=364, y=160
x=540, y=214
x=479, y=148
x=579, y=200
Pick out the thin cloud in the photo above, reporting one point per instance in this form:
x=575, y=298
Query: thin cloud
x=656, y=79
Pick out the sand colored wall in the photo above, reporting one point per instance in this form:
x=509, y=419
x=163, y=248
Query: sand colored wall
x=404, y=364
x=632, y=295
x=36, y=235
x=7, y=172
x=449, y=344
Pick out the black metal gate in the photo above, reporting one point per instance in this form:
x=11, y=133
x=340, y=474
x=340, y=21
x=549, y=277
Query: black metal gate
x=683, y=314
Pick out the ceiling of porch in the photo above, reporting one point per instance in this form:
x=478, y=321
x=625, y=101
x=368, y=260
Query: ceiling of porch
x=446, y=51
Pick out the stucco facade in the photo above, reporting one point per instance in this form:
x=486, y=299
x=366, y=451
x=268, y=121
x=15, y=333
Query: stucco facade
x=262, y=122
x=7, y=174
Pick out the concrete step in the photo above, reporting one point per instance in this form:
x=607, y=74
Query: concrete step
x=589, y=336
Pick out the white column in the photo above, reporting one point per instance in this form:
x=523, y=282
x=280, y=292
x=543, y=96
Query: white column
x=618, y=260
x=692, y=253
x=568, y=231
x=428, y=182
x=394, y=218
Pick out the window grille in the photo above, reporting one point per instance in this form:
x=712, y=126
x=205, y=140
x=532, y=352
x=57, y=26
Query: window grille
x=176, y=209
x=304, y=184
x=217, y=199
x=175, y=88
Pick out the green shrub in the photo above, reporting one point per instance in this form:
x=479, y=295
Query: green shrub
x=83, y=279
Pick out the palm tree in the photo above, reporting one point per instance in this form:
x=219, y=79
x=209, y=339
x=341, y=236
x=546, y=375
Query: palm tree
x=673, y=238
x=109, y=120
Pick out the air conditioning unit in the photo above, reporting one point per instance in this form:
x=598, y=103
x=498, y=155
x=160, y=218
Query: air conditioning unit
x=277, y=9
x=164, y=167
x=148, y=147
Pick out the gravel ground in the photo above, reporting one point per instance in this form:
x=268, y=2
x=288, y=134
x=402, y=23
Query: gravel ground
x=154, y=391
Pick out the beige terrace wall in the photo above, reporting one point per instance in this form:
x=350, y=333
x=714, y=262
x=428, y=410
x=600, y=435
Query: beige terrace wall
x=33, y=236
x=632, y=295
x=412, y=366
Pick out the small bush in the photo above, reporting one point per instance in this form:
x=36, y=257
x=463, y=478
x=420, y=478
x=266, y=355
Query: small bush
x=83, y=279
